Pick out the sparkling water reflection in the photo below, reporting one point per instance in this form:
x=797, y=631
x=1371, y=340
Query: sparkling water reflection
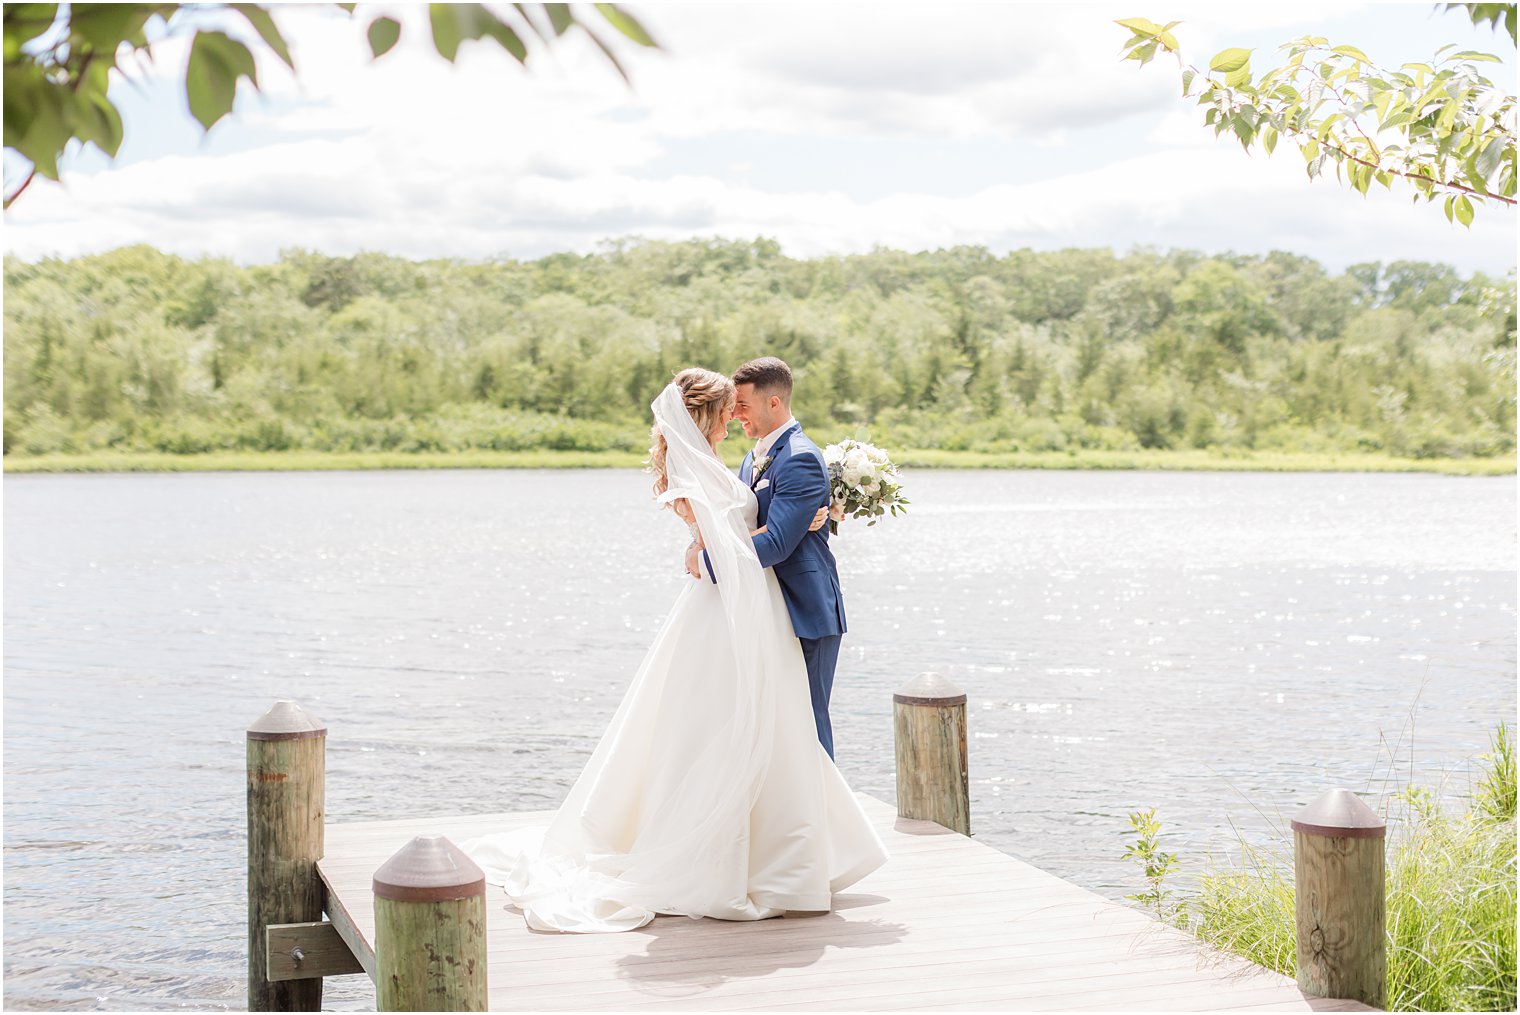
x=1220, y=646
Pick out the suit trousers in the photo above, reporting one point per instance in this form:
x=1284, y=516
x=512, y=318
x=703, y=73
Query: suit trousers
x=822, y=655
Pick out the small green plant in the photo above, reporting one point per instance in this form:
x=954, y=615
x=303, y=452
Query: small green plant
x=1495, y=798
x=1451, y=888
x=1155, y=863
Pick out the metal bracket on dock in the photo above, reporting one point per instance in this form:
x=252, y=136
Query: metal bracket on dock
x=303, y=951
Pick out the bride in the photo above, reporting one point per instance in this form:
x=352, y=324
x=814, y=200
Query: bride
x=709, y=794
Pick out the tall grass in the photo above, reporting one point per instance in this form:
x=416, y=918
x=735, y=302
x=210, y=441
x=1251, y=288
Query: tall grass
x=1450, y=897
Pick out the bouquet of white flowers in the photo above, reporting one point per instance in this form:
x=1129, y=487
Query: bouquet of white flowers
x=863, y=483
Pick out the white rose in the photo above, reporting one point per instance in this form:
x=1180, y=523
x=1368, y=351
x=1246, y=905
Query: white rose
x=832, y=454
x=855, y=466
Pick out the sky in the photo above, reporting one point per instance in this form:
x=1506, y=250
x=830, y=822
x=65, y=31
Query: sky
x=833, y=128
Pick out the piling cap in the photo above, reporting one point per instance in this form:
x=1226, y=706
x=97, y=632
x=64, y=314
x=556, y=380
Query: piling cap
x=930, y=689
x=287, y=721
x=1340, y=814
x=430, y=868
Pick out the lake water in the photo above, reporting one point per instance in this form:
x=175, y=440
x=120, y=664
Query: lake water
x=1223, y=647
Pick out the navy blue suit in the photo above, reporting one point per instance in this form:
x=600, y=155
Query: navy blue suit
x=790, y=491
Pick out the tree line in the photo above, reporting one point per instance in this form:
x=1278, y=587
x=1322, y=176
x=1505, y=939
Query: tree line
x=137, y=350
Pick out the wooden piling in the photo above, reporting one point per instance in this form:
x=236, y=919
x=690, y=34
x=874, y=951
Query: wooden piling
x=430, y=929
x=929, y=725
x=1339, y=896
x=286, y=773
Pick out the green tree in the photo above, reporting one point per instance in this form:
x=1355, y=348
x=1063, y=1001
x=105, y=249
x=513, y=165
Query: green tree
x=59, y=58
x=138, y=350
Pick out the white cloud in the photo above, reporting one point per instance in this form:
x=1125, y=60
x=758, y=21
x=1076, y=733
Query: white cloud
x=417, y=157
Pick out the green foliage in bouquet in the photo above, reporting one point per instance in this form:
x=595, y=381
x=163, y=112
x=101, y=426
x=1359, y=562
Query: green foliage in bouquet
x=863, y=483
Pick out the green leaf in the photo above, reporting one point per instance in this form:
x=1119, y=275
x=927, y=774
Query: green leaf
x=454, y=23
x=384, y=33
x=1187, y=79
x=1240, y=76
x=626, y=23
x=48, y=132
x=1450, y=200
x=1448, y=115
x=1474, y=180
x=1464, y=210
x=508, y=40
x=209, y=89
x=1140, y=26
x=1470, y=54
x=560, y=17
x=264, y=24
x=1243, y=130
x=21, y=82
x=1361, y=177
x=1488, y=159
x=94, y=119
x=211, y=75
x=100, y=28
x=1169, y=40
x=1352, y=52
x=1230, y=60
x=114, y=131
x=348, y=7
x=1269, y=139
x=23, y=23
x=446, y=34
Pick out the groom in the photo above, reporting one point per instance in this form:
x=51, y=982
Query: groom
x=791, y=483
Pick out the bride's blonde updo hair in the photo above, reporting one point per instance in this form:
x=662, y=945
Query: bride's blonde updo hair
x=707, y=395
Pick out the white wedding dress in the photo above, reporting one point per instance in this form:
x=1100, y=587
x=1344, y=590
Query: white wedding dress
x=709, y=794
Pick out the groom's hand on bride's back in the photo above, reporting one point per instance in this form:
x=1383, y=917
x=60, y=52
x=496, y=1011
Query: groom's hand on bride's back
x=694, y=557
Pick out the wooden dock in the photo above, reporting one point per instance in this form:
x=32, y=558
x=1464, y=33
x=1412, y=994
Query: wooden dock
x=948, y=923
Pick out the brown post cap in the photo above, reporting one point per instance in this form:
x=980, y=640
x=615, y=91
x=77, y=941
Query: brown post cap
x=430, y=868
x=1340, y=814
x=930, y=689
x=287, y=721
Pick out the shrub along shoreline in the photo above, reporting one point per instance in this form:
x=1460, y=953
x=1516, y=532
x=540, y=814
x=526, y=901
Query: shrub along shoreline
x=1025, y=357
x=1451, y=890
x=1179, y=461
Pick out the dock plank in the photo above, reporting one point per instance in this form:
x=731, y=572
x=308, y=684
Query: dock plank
x=947, y=923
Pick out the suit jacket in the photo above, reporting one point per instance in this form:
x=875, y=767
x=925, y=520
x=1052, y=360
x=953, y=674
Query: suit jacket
x=790, y=491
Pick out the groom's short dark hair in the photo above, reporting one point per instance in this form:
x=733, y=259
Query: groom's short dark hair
x=769, y=375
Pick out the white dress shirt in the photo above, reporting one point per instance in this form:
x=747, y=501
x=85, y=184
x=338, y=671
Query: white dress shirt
x=764, y=444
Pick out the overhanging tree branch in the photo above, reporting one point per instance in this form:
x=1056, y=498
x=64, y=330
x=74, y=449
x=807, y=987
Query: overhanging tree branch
x=1454, y=131
x=56, y=90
